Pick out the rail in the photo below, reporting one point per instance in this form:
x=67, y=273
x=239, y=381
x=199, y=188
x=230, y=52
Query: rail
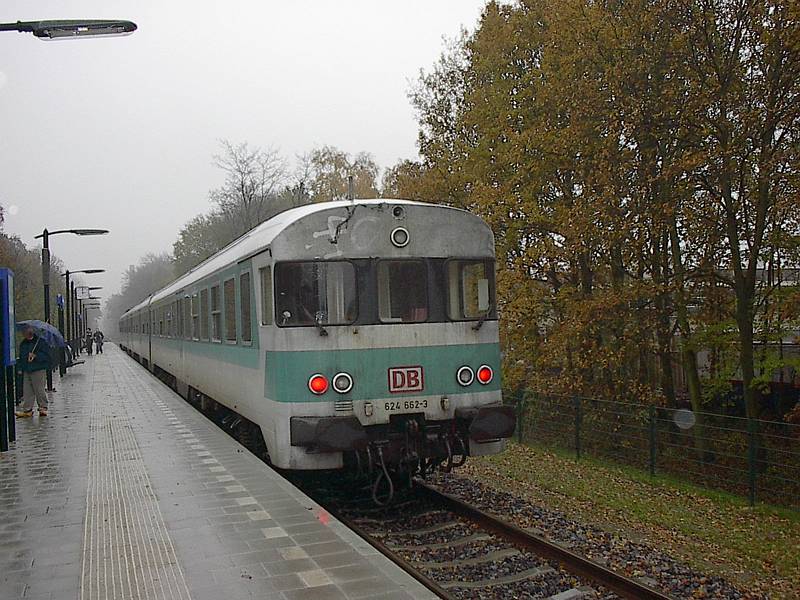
x=570, y=561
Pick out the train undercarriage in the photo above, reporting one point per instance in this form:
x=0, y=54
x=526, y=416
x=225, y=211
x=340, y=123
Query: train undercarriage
x=408, y=446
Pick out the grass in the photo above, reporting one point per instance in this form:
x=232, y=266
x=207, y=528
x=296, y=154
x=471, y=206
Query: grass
x=756, y=548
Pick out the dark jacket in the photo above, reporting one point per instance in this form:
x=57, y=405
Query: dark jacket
x=43, y=358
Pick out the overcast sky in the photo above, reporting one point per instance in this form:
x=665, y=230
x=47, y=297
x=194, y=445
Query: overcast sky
x=119, y=133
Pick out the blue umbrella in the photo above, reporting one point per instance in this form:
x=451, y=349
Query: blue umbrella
x=47, y=332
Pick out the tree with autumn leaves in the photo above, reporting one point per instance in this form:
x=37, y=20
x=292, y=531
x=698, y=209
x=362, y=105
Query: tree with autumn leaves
x=638, y=163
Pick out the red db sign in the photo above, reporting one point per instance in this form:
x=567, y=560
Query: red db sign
x=406, y=379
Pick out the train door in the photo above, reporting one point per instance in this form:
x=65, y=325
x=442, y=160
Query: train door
x=150, y=326
x=262, y=274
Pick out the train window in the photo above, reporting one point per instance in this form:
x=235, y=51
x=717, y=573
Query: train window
x=470, y=286
x=204, y=314
x=229, y=293
x=315, y=293
x=195, y=317
x=187, y=318
x=402, y=291
x=216, y=315
x=168, y=316
x=244, y=305
x=178, y=318
x=265, y=274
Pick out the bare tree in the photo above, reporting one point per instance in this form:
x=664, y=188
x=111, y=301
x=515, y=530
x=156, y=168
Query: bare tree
x=253, y=180
x=298, y=191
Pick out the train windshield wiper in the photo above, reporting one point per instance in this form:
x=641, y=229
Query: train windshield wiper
x=483, y=318
x=318, y=321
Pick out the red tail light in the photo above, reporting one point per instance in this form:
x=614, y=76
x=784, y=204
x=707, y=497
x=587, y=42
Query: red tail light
x=485, y=374
x=318, y=384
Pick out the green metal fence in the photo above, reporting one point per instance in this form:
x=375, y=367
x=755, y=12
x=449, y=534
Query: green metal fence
x=753, y=458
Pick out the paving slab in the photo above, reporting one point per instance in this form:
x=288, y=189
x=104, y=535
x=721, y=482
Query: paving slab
x=126, y=491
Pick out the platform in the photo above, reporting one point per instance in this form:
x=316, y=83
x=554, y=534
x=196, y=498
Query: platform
x=126, y=492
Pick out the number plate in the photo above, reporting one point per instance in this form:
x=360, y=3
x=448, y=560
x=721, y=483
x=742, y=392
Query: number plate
x=391, y=406
x=406, y=379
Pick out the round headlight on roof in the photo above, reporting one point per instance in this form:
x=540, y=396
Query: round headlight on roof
x=400, y=237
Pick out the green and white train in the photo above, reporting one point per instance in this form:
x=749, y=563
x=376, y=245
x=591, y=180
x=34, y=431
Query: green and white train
x=353, y=334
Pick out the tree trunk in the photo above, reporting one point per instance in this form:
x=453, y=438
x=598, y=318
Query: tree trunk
x=663, y=335
x=688, y=355
x=744, y=321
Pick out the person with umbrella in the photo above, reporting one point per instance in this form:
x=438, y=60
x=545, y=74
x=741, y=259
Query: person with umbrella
x=34, y=360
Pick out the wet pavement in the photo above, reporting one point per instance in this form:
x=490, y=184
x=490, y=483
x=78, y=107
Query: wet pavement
x=125, y=491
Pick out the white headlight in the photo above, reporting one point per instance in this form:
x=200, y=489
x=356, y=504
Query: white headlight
x=465, y=376
x=342, y=382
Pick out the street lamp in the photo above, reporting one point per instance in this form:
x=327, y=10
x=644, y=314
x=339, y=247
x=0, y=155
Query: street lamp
x=72, y=320
x=71, y=29
x=45, y=235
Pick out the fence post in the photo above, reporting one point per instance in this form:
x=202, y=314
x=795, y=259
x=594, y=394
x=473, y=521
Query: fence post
x=752, y=454
x=653, y=431
x=520, y=413
x=578, y=418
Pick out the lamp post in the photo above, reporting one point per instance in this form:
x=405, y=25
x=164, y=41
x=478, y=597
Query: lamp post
x=71, y=29
x=45, y=235
x=72, y=322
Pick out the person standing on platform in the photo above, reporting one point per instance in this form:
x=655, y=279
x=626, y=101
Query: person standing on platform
x=98, y=341
x=34, y=360
x=88, y=342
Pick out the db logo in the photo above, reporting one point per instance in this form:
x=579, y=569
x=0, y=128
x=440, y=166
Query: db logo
x=406, y=379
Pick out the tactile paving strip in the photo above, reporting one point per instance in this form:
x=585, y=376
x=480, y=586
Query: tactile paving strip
x=127, y=549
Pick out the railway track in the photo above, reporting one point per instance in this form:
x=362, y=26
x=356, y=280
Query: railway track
x=459, y=551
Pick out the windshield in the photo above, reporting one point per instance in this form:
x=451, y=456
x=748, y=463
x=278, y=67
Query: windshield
x=315, y=293
x=470, y=289
x=402, y=291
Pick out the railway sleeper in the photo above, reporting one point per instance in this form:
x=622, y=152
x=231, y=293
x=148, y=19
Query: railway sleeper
x=378, y=510
x=533, y=573
x=404, y=518
x=478, y=560
x=476, y=537
x=420, y=531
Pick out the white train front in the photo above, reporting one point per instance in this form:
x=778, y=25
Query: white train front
x=350, y=334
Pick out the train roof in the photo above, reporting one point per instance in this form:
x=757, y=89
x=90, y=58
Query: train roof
x=261, y=236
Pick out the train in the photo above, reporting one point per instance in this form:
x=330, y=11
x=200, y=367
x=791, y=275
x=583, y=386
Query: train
x=357, y=335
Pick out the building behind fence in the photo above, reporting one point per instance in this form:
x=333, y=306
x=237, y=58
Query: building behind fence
x=749, y=457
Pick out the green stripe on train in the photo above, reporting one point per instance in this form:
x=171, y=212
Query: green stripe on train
x=287, y=373
x=242, y=356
